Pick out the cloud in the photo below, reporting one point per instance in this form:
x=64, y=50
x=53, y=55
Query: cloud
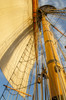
x=56, y=3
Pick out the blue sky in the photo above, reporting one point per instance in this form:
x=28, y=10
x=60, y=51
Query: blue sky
x=56, y=3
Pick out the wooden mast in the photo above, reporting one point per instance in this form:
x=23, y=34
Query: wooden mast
x=35, y=29
x=53, y=63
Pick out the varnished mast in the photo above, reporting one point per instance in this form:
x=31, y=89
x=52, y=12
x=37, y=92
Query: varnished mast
x=35, y=29
x=53, y=63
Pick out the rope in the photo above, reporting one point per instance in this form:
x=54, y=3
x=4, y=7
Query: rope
x=27, y=62
x=57, y=16
x=13, y=73
x=61, y=36
x=58, y=30
x=30, y=81
x=59, y=45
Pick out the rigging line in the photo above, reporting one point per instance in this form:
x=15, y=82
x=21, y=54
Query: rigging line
x=42, y=48
x=41, y=67
x=46, y=88
x=42, y=73
x=30, y=81
x=57, y=29
x=26, y=65
x=60, y=47
x=56, y=20
x=60, y=17
x=50, y=12
x=17, y=96
x=49, y=95
x=8, y=96
x=49, y=20
x=62, y=33
x=61, y=51
x=57, y=15
x=11, y=96
x=60, y=56
x=23, y=55
x=61, y=36
x=4, y=97
x=59, y=9
x=34, y=92
x=15, y=83
x=21, y=88
x=17, y=90
x=38, y=51
x=11, y=76
x=11, y=93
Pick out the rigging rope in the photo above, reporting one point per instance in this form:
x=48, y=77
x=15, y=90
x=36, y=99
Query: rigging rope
x=27, y=45
x=58, y=30
x=58, y=43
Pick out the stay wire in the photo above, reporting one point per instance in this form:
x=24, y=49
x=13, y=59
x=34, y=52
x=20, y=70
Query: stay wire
x=59, y=45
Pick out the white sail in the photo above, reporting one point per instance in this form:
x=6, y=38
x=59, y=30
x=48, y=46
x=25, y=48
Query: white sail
x=17, y=54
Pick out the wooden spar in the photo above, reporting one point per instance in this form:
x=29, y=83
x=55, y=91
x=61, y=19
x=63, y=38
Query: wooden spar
x=17, y=90
x=35, y=6
x=35, y=29
x=52, y=63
